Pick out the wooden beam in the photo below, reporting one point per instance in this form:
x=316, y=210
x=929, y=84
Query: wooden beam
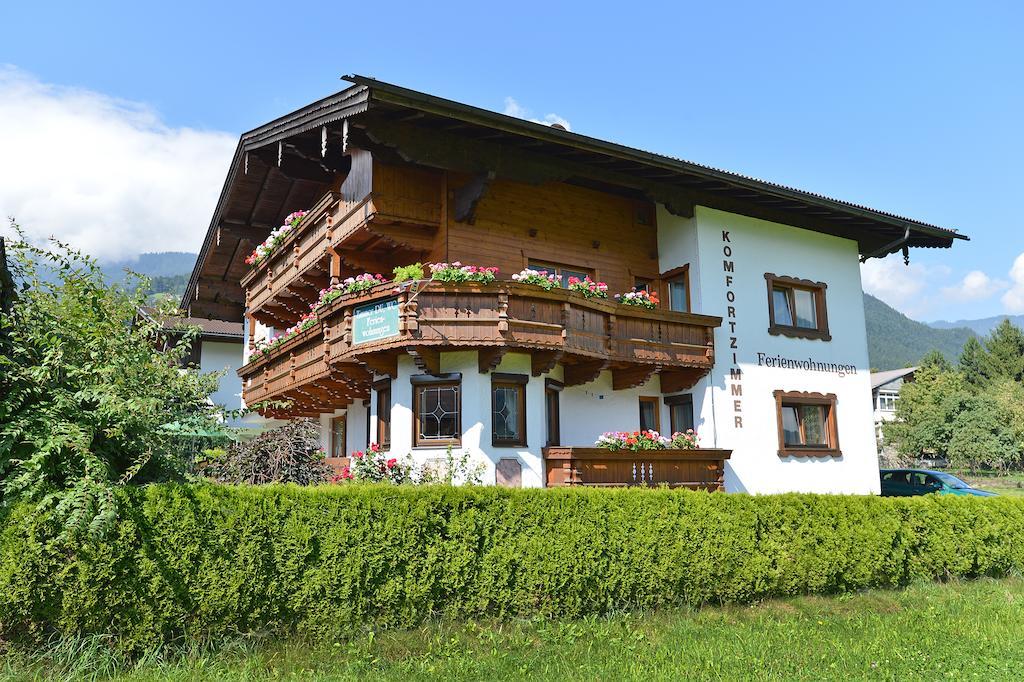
x=631, y=377
x=219, y=290
x=412, y=237
x=543, y=361
x=675, y=380
x=469, y=195
x=584, y=372
x=490, y=357
x=426, y=358
x=219, y=310
x=384, y=364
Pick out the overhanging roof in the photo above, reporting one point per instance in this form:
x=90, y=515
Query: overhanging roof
x=260, y=189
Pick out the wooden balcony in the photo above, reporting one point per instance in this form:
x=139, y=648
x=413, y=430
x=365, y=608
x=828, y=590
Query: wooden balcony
x=700, y=469
x=300, y=373
x=389, y=218
x=328, y=366
x=586, y=336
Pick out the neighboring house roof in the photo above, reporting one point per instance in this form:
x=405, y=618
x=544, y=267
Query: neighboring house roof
x=209, y=329
x=879, y=379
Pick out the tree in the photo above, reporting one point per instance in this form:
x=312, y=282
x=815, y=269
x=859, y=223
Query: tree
x=971, y=360
x=936, y=359
x=86, y=396
x=927, y=412
x=1004, y=353
x=981, y=438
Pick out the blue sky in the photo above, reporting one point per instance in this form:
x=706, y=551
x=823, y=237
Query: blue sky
x=914, y=108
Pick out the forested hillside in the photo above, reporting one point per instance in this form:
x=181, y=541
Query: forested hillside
x=894, y=340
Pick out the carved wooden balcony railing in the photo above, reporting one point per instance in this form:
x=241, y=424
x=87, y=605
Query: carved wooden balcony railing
x=293, y=274
x=336, y=238
x=703, y=468
x=586, y=336
x=300, y=372
x=327, y=366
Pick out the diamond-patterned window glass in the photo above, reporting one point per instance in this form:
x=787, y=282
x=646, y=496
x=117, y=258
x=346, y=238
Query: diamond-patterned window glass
x=505, y=416
x=437, y=412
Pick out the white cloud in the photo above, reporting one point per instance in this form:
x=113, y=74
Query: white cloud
x=106, y=175
x=513, y=108
x=1013, y=299
x=975, y=286
x=899, y=285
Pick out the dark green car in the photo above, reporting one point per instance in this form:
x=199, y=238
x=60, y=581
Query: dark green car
x=907, y=482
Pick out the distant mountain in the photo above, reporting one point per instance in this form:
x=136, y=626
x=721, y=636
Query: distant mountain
x=895, y=341
x=981, y=327
x=162, y=264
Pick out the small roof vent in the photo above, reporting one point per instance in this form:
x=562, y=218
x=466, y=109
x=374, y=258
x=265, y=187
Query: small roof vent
x=558, y=126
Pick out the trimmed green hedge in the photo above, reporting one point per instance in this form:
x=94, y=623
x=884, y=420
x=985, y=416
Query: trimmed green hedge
x=218, y=560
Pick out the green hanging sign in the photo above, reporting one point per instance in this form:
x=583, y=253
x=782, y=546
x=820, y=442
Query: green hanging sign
x=375, y=321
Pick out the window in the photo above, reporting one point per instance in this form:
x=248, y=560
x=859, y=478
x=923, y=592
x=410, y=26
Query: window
x=649, y=418
x=887, y=400
x=383, y=390
x=642, y=284
x=807, y=424
x=677, y=283
x=680, y=412
x=508, y=409
x=552, y=395
x=796, y=308
x=563, y=272
x=338, y=436
x=437, y=409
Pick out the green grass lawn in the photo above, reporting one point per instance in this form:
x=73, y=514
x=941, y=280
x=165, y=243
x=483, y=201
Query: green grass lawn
x=1011, y=484
x=966, y=630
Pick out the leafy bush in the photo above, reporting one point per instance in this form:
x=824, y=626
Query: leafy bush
x=404, y=272
x=287, y=454
x=87, y=401
x=211, y=561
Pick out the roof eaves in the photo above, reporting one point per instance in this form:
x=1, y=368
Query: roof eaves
x=438, y=105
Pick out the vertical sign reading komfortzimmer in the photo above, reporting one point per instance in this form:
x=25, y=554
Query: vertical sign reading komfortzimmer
x=375, y=321
x=735, y=375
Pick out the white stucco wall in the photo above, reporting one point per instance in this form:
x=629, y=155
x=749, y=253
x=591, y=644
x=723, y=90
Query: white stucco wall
x=586, y=412
x=355, y=428
x=215, y=356
x=476, y=415
x=756, y=247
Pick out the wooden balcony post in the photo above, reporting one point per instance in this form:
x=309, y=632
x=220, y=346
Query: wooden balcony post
x=610, y=331
x=503, y=311
x=335, y=266
x=409, y=310
x=346, y=329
